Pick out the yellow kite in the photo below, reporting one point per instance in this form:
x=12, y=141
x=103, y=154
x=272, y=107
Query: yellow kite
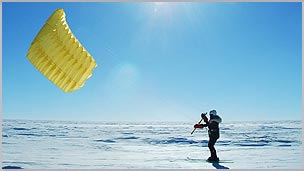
x=59, y=56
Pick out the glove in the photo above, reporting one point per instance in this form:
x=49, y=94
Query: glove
x=198, y=126
x=204, y=117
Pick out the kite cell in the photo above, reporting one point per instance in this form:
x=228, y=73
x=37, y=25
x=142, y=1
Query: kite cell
x=59, y=56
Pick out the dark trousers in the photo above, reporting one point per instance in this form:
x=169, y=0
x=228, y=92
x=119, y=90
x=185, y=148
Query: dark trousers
x=212, y=140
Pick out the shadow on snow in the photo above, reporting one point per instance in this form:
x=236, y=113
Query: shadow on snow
x=218, y=166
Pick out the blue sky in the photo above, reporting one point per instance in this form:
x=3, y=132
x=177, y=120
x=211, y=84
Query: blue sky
x=161, y=61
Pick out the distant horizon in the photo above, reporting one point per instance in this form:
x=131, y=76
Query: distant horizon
x=164, y=61
x=168, y=121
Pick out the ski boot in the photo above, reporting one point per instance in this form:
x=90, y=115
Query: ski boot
x=213, y=159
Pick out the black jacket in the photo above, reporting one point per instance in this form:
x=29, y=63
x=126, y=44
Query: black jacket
x=213, y=125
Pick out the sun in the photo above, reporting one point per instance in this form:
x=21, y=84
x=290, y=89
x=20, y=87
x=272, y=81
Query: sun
x=159, y=3
x=159, y=6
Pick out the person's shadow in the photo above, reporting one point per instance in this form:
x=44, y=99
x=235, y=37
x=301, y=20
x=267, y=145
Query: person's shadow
x=218, y=166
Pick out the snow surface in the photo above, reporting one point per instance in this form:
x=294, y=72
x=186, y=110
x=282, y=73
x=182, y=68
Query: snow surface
x=157, y=145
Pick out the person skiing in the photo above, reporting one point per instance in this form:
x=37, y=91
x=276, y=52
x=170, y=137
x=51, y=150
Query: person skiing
x=213, y=131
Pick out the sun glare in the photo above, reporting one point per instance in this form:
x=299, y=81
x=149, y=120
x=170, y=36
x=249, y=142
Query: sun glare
x=159, y=3
x=159, y=6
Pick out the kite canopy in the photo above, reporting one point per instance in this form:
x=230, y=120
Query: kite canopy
x=59, y=56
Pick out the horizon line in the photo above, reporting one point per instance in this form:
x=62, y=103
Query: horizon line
x=144, y=121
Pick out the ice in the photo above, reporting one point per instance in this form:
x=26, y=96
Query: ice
x=158, y=145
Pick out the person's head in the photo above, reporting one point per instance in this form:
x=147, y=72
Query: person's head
x=212, y=113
